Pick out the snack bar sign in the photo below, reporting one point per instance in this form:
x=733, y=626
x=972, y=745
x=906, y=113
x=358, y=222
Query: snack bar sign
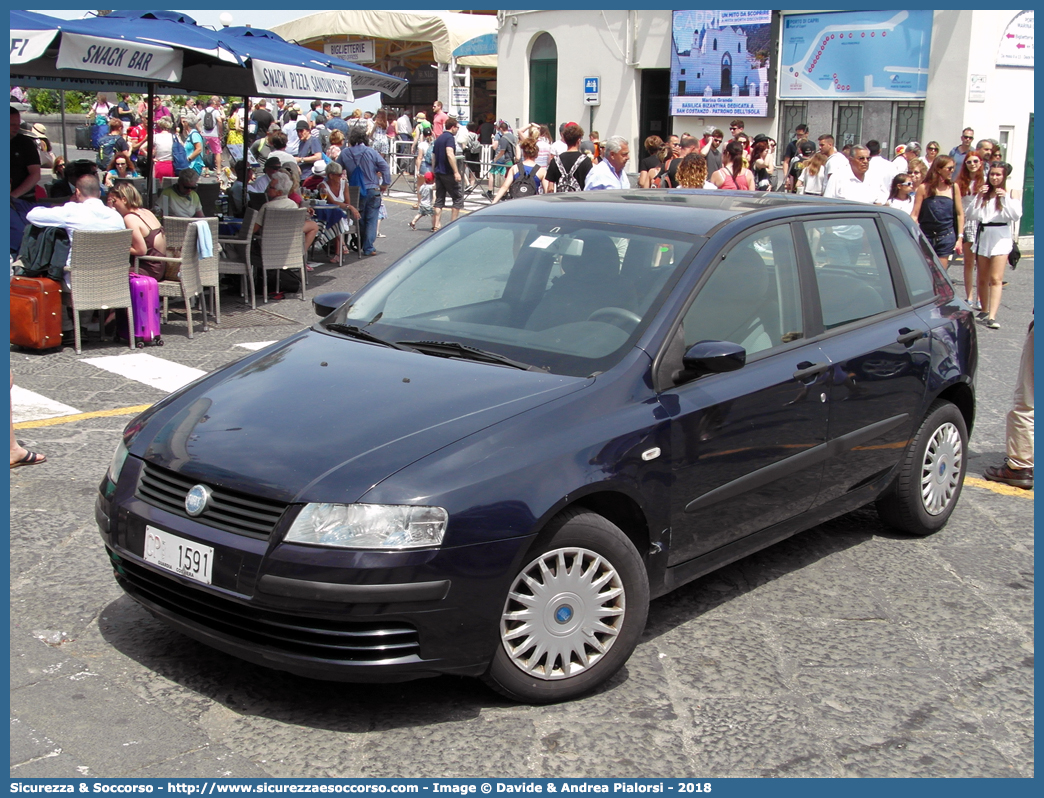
x=149, y=62
x=298, y=81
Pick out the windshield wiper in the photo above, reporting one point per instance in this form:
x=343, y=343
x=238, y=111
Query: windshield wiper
x=457, y=349
x=358, y=332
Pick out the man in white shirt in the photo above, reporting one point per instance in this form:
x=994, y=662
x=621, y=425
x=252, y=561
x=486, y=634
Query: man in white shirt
x=881, y=170
x=853, y=185
x=560, y=146
x=609, y=172
x=85, y=211
x=404, y=128
x=837, y=162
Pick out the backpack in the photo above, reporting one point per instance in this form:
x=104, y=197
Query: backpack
x=44, y=252
x=472, y=147
x=208, y=119
x=357, y=178
x=178, y=156
x=568, y=181
x=106, y=149
x=525, y=186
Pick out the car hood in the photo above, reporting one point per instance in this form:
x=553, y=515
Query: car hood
x=325, y=418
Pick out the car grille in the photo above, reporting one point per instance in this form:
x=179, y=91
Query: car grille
x=319, y=638
x=228, y=510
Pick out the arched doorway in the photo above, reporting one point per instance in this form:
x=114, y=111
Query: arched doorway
x=726, y=75
x=543, y=81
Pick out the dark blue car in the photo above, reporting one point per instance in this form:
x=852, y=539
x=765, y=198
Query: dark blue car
x=492, y=457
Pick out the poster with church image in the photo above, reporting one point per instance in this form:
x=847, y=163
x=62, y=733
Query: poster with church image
x=720, y=63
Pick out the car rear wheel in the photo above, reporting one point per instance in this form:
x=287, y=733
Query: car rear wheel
x=573, y=614
x=926, y=490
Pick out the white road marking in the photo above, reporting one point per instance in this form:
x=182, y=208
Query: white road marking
x=161, y=374
x=29, y=406
x=255, y=345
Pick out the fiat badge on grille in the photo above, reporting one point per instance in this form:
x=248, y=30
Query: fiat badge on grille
x=196, y=499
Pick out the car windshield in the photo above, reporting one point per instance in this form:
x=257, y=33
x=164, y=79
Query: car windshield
x=567, y=297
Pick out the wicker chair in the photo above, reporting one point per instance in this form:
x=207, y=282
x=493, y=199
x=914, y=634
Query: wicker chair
x=282, y=244
x=188, y=283
x=98, y=270
x=236, y=255
x=174, y=228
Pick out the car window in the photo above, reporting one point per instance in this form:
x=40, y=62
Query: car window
x=752, y=298
x=914, y=267
x=569, y=296
x=851, y=270
x=477, y=277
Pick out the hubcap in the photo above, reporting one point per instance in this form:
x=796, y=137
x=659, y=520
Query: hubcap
x=563, y=613
x=941, y=469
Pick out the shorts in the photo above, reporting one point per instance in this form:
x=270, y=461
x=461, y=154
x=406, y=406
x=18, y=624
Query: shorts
x=498, y=169
x=213, y=144
x=943, y=243
x=447, y=184
x=426, y=210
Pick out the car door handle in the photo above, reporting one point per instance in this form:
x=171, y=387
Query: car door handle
x=908, y=336
x=806, y=369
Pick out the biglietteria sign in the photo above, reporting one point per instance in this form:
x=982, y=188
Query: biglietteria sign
x=295, y=81
x=148, y=62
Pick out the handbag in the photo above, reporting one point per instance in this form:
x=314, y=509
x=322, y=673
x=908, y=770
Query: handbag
x=1015, y=255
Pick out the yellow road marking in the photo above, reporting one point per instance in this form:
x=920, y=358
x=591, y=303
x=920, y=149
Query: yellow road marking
x=51, y=422
x=998, y=487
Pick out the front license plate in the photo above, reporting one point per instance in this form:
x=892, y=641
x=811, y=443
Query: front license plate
x=183, y=557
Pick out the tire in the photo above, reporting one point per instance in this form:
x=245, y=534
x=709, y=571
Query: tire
x=584, y=575
x=931, y=474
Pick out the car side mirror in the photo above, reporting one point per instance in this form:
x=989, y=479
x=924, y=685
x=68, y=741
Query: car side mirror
x=325, y=304
x=711, y=357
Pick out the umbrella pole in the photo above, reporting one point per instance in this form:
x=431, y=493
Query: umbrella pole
x=148, y=143
x=65, y=145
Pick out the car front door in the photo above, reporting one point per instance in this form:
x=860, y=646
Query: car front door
x=878, y=348
x=743, y=444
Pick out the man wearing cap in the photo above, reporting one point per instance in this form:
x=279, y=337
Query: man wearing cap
x=335, y=122
x=181, y=199
x=376, y=178
x=309, y=149
x=911, y=152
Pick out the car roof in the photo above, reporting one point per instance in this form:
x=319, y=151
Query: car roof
x=692, y=211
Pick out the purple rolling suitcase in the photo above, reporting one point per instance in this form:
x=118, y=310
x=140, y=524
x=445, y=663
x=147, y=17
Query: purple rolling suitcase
x=145, y=303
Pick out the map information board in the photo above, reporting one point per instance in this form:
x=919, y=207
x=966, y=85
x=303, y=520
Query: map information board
x=853, y=55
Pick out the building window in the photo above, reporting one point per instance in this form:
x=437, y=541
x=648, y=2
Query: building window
x=683, y=70
x=848, y=124
x=715, y=44
x=791, y=115
x=907, y=121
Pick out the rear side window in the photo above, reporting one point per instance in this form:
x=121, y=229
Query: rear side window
x=851, y=270
x=912, y=263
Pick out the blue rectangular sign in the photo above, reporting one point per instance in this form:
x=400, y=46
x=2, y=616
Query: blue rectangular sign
x=854, y=55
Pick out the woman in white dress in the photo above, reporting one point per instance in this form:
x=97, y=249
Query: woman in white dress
x=995, y=214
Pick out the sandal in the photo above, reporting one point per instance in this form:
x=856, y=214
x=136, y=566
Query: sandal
x=413, y=225
x=31, y=458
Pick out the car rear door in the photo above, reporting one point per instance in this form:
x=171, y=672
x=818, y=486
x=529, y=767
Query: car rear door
x=743, y=444
x=877, y=345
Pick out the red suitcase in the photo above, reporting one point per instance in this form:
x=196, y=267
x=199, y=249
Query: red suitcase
x=36, y=312
x=145, y=303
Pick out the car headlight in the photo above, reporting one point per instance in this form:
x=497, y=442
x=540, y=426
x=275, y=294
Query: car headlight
x=119, y=457
x=369, y=526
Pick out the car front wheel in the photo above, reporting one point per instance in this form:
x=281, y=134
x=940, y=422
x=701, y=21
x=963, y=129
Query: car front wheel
x=573, y=613
x=930, y=477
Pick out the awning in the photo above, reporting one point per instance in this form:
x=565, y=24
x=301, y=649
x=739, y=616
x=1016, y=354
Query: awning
x=107, y=54
x=486, y=44
x=445, y=30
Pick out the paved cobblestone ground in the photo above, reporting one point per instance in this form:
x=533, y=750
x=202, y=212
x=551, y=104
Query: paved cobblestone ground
x=845, y=651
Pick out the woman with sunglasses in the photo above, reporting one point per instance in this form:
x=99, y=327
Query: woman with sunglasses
x=938, y=210
x=120, y=166
x=930, y=152
x=900, y=193
x=972, y=177
x=995, y=212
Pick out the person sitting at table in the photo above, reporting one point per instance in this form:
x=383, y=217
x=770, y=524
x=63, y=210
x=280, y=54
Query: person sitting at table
x=258, y=188
x=121, y=166
x=334, y=189
x=236, y=193
x=181, y=199
x=277, y=191
x=147, y=236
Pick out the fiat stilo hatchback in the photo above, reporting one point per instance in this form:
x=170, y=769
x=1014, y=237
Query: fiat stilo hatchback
x=492, y=457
